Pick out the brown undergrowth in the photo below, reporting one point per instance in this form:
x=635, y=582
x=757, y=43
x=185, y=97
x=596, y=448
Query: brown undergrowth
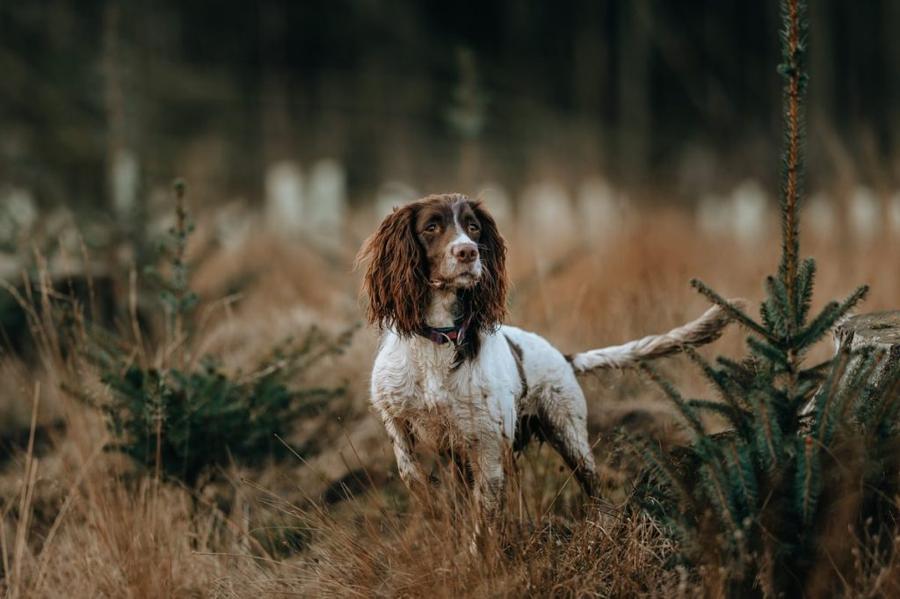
x=81, y=521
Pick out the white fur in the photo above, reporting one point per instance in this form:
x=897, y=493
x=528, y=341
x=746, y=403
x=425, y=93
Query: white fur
x=451, y=264
x=473, y=411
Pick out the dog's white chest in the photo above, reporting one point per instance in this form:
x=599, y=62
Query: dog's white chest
x=434, y=376
x=446, y=406
x=457, y=406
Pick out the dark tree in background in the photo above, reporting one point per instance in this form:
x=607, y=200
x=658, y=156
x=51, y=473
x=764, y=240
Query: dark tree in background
x=638, y=90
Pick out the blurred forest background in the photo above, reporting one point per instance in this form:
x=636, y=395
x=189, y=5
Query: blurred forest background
x=102, y=102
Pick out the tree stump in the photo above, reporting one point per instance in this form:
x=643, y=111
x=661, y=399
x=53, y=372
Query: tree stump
x=879, y=331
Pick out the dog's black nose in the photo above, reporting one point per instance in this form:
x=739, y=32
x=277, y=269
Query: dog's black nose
x=466, y=252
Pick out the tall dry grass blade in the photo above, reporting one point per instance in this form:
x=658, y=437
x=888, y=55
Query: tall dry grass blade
x=25, y=501
x=373, y=488
x=4, y=552
x=133, y=316
x=89, y=277
x=44, y=556
x=48, y=322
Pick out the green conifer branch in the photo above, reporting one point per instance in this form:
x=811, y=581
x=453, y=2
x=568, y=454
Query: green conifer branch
x=873, y=410
x=809, y=477
x=827, y=393
x=737, y=371
x=689, y=414
x=714, y=480
x=778, y=304
x=743, y=467
x=806, y=277
x=661, y=466
x=732, y=310
x=719, y=380
x=773, y=354
x=768, y=432
x=735, y=416
x=829, y=315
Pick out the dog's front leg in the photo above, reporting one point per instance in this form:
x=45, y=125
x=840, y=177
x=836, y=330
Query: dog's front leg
x=486, y=460
x=411, y=472
x=488, y=474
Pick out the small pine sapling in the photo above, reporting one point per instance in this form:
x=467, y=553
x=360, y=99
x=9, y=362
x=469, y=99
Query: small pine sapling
x=750, y=506
x=184, y=418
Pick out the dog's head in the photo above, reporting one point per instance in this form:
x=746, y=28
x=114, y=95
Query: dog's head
x=446, y=242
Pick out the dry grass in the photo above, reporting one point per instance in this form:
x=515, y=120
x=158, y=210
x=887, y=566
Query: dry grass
x=77, y=521
x=435, y=551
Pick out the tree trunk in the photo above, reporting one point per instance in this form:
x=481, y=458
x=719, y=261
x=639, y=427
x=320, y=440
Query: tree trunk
x=879, y=331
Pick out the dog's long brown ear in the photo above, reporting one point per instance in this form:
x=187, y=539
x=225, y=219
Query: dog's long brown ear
x=489, y=299
x=395, y=283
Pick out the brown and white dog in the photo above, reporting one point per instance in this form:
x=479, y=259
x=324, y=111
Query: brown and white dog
x=449, y=375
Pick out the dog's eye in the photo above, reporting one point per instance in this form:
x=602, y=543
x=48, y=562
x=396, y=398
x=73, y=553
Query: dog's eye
x=474, y=228
x=431, y=228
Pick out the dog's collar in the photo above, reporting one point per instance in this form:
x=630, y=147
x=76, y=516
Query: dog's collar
x=441, y=335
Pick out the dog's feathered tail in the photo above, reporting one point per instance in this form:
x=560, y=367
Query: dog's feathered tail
x=697, y=332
